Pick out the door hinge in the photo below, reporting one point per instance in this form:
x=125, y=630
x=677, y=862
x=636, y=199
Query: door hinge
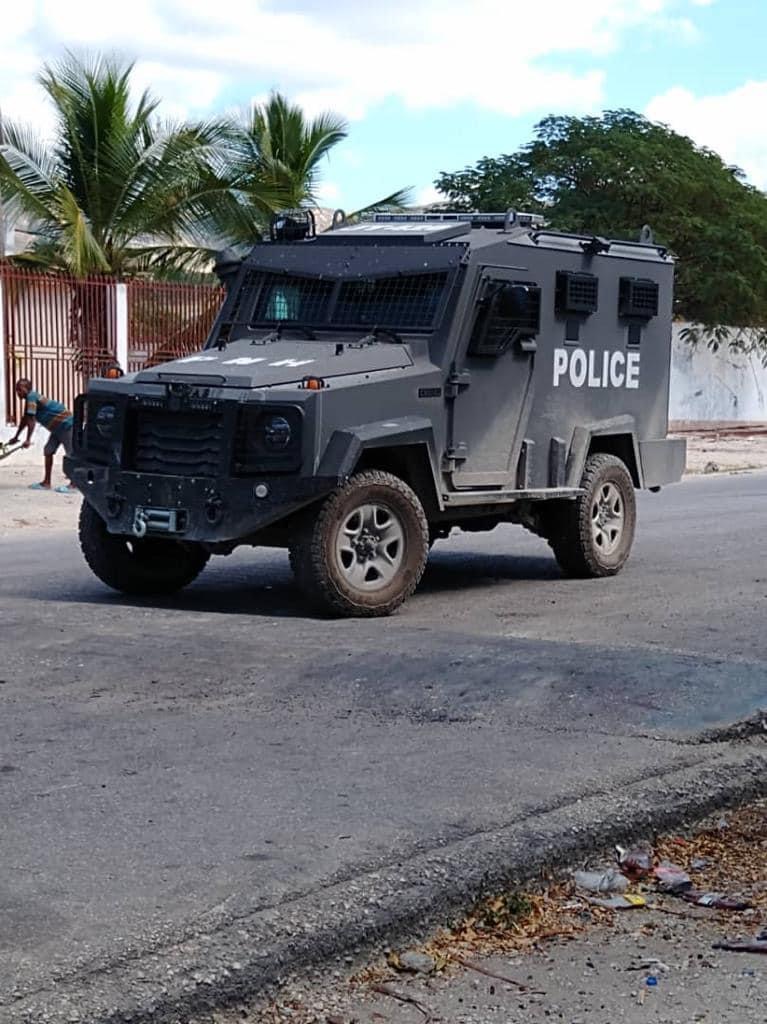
x=453, y=456
x=457, y=382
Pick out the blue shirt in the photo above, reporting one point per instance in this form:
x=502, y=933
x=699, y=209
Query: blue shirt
x=49, y=413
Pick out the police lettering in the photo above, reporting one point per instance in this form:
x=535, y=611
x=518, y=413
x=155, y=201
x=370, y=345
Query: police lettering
x=596, y=369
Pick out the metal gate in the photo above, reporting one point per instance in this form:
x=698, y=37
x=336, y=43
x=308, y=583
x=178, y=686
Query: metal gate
x=59, y=331
x=168, y=320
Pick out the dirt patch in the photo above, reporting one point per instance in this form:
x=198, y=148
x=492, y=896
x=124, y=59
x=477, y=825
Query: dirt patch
x=725, y=451
x=23, y=508
x=553, y=955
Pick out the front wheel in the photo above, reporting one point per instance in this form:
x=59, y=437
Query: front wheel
x=592, y=535
x=364, y=552
x=147, y=566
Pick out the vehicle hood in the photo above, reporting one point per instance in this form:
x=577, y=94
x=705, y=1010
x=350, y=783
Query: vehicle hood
x=243, y=364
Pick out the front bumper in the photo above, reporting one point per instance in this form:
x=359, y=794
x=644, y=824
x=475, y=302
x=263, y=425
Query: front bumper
x=203, y=510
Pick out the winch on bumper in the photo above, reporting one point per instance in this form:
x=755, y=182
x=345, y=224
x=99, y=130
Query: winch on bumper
x=189, y=508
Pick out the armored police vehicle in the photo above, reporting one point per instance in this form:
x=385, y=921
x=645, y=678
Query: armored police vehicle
x=367, y=390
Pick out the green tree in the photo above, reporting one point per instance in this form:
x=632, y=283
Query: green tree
x=115, y=191
x=273, y=159
x=609, y=175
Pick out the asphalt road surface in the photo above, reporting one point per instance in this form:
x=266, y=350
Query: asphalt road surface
x=169, y=764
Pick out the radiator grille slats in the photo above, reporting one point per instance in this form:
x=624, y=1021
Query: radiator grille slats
x=177, y=443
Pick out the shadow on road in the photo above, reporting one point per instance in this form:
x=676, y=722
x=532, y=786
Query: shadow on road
x=252, y=588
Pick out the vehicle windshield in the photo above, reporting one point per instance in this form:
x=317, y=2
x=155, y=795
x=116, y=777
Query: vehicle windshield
x=402, y=302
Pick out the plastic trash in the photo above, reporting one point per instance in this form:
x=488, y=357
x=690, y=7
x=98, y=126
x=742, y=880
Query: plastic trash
x=636, y=861
x=672, y=878
x=749, y=946
x=701, y=863
x=610, y=880
x=625, y=902
x=717, y=900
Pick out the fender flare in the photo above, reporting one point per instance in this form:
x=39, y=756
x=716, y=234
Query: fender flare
x=582, y=442
x=346, y=446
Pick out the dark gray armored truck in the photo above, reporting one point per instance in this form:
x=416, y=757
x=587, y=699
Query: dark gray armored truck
x=367, y=390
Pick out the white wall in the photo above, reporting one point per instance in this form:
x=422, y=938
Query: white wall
x=710, y=386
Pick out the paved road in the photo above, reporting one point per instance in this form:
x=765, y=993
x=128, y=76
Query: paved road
x=168, y=766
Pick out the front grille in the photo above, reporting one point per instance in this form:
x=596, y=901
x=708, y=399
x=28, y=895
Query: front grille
x=177, y=443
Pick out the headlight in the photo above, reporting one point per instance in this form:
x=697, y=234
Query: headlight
x=105, y=420
x=277, y=433
x=267, y=439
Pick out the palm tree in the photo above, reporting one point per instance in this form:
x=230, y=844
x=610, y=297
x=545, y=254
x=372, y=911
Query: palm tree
x=116, y=191
x=274, y=156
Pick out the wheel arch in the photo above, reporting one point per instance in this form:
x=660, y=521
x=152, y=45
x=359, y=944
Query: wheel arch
x=405, y=449
x=609, y=437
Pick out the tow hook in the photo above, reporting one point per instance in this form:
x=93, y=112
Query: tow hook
x=139, y=523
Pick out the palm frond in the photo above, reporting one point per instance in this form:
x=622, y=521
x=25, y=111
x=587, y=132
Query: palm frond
x=399, y=200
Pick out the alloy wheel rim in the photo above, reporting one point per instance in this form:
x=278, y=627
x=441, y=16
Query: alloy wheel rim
x=607, y=518
x=370, y=546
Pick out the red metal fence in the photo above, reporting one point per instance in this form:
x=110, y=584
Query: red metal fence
x=166, y=321
x=60, y=330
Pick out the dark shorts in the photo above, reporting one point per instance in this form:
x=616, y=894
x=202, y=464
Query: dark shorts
x=60, y=438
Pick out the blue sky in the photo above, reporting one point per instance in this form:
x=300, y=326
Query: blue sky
x=427, y=85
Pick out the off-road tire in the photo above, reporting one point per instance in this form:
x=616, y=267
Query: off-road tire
x=569, y=525
x=314, y=557
x=142, y=567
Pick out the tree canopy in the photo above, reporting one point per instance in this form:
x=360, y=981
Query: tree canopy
x=119, y=191
x=115, y=189
x=612, y=174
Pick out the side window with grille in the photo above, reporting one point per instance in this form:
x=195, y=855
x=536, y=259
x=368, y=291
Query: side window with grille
x=507, y=312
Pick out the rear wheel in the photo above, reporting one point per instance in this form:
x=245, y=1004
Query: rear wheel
x=147, y=566
x=364, y=552
x=592, y=535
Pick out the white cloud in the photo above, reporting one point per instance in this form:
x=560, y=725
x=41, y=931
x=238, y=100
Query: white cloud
x=328, y=192
x=427, y=196
x=730, y=123
x=345, y=56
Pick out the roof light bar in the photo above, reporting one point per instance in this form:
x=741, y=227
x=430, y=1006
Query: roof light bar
x=509, y=219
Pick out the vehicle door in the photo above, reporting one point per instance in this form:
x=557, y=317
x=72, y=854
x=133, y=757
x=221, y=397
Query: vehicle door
x=492, y=380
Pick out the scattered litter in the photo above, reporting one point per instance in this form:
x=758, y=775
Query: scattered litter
x=747, y=946
x=717, y=900
x=625, y=902
x=637, y=861
x=403, y=997
x=413, y=962
x=651, y=981
x=610, y=880
x=672, y=878
x=649, y=963
x=711, y=467
x=700, y=863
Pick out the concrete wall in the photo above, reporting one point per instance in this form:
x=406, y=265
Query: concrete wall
x=711, y=386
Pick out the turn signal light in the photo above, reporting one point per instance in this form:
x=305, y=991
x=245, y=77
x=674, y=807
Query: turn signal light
x=313, y=383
